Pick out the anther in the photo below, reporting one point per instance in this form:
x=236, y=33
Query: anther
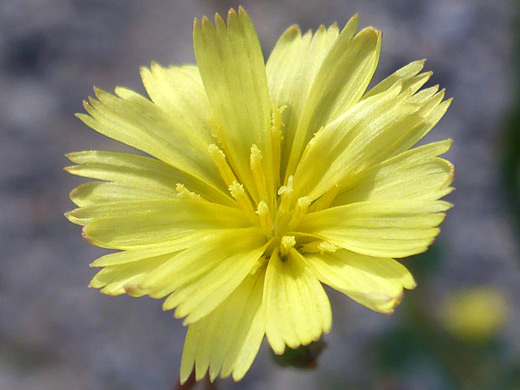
x=276, y=141
x=223, y=167
x=302, y=205
x=264, y=217
x=285, y=193
x=239, y=194
x=319, y=247
x=286, y=244
x=184, y=193
x=288, y=189
x=255, y=163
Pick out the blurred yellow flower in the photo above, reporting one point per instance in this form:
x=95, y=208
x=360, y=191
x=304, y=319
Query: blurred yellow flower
x=266, y=181
x=474, y=314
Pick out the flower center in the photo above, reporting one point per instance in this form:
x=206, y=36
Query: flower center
x=258, y=192
x=277, y=212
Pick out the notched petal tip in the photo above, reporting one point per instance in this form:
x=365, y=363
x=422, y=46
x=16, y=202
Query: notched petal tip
x=449, y=144
x=183, y=379
x=291, y=33
x=123, y=92
x=99, y=92
x=277, y=348
x=107, y=291
x=196, y=24
x=420, y=62
x=233, y=14
x=334, y=26
x=321, y=29
x=72, y=218
x=371, y=35
x=206, y=24
x=219, y=21
x=352, y=22
x=370, y=30
x=145, y=69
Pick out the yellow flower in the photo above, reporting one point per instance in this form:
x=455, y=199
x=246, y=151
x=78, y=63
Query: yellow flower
x=474, y=314
x=265, y=181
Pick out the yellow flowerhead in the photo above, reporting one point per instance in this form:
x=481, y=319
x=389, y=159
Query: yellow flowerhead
x=264, y=181
x=474, y=314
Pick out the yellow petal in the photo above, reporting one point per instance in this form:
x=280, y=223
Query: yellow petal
x=232, y=69
x=376, y=129
x=204, y=275
x=353, y=141
x=291, y=69
x=431, y=118
x=406, y=74
x=389, y=228
x=297, y=310
x=141, y=172
x=415, y=174
x=340, y=83
x=179, y=92
x=126, y=225
x=227, y=340
x=181, y=241
x=136, y=121
x=374, y=282
x=125, y=278
x=89, y=194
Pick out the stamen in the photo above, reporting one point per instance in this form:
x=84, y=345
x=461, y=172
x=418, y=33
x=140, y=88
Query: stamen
x=319, y=246
x=276, y=141
x=223, y=167
x=299, y=211
x=239, y=194
x=184, y=193
x=255, y=163
x=286, y=244
x=265, y=218
x=285, y=193
x=283, y=215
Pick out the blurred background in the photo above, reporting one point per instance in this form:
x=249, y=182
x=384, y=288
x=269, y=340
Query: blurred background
x=459, y=328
